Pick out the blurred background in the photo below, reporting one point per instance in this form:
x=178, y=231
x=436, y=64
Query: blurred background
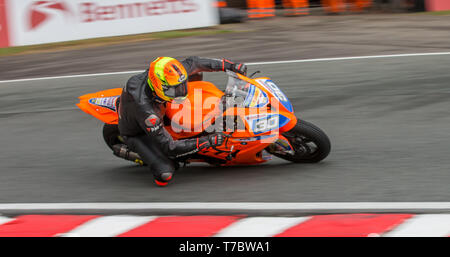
x=20, y=20
x=386, y=111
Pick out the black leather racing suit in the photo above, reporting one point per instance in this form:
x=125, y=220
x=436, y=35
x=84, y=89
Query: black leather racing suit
x=141, y=119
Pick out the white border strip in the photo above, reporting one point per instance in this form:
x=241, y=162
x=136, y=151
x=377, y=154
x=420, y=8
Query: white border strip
x=253, y=63
x=260, y=226
x=205, y=206
x=425, y=225
x=4, y=220
x=108, y=226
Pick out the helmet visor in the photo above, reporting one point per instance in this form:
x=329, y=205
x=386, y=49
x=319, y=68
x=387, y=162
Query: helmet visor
x=179, y=90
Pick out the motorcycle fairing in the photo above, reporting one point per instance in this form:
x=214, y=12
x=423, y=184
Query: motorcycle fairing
x=276, y=92
x=245, y=146
x=99, y=105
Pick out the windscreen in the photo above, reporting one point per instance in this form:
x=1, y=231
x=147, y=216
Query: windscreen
x=244, y=94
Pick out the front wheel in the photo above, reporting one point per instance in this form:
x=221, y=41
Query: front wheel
x=310, y=143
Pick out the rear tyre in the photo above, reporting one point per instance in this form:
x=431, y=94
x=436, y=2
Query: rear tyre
x=111, y=135
x=310, y=143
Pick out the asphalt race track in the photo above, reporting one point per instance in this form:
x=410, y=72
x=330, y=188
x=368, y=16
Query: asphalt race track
x=388, y=121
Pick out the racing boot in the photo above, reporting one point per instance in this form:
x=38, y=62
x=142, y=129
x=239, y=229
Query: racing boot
x=122, y=151
x=163, y=178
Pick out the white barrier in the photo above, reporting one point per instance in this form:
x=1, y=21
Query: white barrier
x=44, y=21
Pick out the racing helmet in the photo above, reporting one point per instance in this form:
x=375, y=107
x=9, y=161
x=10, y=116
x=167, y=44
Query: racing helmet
x=167, y=77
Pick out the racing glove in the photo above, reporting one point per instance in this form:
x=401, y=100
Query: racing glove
x=211, y=140
x=235, y=67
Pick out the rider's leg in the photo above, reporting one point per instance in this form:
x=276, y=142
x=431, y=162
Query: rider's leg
x=161, y=166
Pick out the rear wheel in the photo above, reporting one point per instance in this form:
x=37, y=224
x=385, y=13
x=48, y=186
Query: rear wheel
x=111, y=135
x=310, y=143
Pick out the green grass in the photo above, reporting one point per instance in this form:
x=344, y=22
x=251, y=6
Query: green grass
x=436, y=13
x=77, y=44
x=182, y=33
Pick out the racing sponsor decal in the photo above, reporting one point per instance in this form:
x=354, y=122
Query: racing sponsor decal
x=151, y=120
x=44, y=11
x=106, y=102
x=4, y=33
x=97, y=11
x=255, y=98
x=275, y=90
x=153, y=123
x=182, y=78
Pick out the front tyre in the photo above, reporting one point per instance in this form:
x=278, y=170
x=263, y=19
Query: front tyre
x=310, y=143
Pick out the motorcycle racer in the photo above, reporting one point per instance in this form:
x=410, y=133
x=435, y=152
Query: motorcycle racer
x=142, y=105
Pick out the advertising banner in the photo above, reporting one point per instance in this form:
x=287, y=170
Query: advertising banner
x=45, y=21
x=4, y=35
x=437, y=5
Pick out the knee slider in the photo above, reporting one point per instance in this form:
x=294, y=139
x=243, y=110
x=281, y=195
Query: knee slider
x=163, y=178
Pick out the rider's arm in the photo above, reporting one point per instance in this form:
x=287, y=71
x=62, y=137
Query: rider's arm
x=154, y=127
x=195, y=64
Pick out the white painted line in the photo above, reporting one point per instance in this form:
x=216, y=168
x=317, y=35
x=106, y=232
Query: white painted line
x=250, y=64
x=4, y=220
x=40, y=110
x=71, y=76
x=427, y=225
x=260, y=226
x=108, y=226
x=351, y=58
x=308, y=206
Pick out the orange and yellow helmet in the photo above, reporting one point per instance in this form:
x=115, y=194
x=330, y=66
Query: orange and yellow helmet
x=167, y=77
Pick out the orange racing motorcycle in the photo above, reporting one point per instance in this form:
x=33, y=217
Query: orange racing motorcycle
x=254, y=114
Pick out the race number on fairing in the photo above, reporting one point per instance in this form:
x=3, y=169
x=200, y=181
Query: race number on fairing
x=263, y=123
